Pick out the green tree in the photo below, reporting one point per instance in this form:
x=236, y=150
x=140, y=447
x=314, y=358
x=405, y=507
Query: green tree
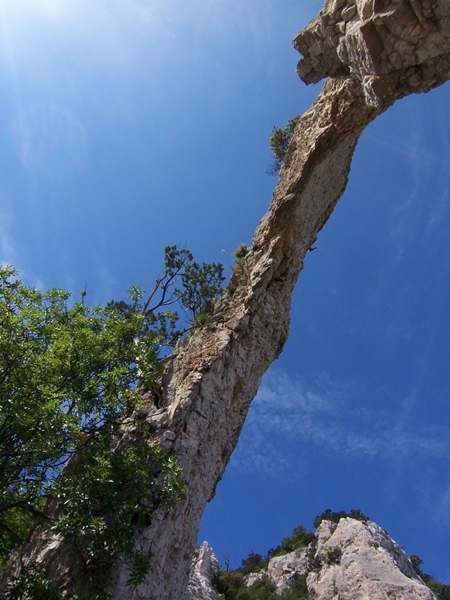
x=441, y=590
x=300, y=538
x=191, y=286
x=279, y=143
x=297, y=590
x=254, y=562
x=71, y=378
x=335, y=517
x=230, y=584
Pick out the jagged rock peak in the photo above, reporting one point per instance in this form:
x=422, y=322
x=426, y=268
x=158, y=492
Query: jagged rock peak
x=203, y=570
x=350, y=560
x=359, y=560
x=394, y=47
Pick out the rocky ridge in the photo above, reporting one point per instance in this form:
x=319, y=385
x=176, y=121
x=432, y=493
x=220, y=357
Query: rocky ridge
x=356, y=560
x=349, y=560
x=204, y=568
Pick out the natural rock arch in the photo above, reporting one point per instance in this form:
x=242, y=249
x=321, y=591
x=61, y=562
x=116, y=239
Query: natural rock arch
x=373, y=53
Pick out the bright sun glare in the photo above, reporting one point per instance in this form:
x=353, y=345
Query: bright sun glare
x=54, y=9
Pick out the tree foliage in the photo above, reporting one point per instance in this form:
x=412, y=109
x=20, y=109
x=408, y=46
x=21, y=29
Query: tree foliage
x=335, y=517
x=231, y=583
x=300, y=538
x=231, y=586
x=279, y=143
x=439, y=589
x=253, y=563
x=185, y=284
x=71, y=376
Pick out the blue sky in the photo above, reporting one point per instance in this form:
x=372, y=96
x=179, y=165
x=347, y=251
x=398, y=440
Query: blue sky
x=127, y=126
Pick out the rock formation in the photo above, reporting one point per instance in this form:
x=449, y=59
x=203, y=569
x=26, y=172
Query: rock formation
x=204, y=568
x=367, y=564
x=282, y=569
x=391, y=47
x=349, y=560
x=373, y=52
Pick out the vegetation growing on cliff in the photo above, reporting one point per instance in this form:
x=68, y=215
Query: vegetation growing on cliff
x=279, y=144
x=441, y=590
x=335, y=517
x=71, y=379
x=231, y=583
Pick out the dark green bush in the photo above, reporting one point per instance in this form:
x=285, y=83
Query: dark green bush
x=334, y=555
x=441, y=590
x=230, y=584
x=335, y=517
x=253, y=563
x=263, y=589
x=297, y=590
x=300, y=538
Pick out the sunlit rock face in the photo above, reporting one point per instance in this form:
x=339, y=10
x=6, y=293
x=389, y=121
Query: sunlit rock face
x=359, y=561
x=203, y=570
x=283, y=569
x=350, y=560
x=394, y=47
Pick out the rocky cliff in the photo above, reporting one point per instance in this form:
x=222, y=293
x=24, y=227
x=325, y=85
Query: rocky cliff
x=391, y=47
x=373, y=53
x=356, y=560
x=204, y=568
x=349, y=560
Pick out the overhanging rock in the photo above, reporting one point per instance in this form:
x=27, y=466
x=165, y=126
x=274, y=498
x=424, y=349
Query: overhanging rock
x=393, y=47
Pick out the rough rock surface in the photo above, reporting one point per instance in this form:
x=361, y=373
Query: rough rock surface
x=213, y=375
x=372, y=566
x=252, y=578
x=281, y=569
x=203, y=570
x=392, y=47
x=353, y=560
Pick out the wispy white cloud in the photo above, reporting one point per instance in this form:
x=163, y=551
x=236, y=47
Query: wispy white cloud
x=288, y=418
x=422, y=206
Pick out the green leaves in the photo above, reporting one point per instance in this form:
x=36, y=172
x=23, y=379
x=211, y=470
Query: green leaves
x=70, y=377
x=279, y=143
x=439, y=589
x=66, y=373
x=108, y=495
x=185, y=285
x=200, y=285
x=34, y=583
x=300, y=538
x=335, y=517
